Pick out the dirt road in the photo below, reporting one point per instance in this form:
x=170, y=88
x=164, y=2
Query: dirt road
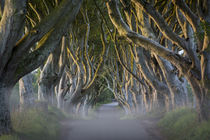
x=108, y=126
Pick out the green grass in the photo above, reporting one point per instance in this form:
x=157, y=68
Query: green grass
x=36, y=124
x=182, y=124
x=9, y=137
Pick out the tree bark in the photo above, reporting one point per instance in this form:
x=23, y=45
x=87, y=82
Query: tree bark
x=62, y=89
x=26, y=91
x=202, y=99
x=176, y=87
x=11, y=28
x=51, y=73
x=5, y=121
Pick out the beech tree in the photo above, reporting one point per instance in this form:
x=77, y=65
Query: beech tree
x=193, y=68
x=16, y=57
x=145, y=52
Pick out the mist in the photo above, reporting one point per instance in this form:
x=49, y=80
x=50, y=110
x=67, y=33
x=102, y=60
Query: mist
x=108, y=124
x=104, y=69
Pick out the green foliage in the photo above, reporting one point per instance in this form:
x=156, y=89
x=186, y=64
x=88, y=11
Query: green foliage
x=205, y=30
x=105, y=97
x=36, y=124
x=182, y=124
x=206, y=27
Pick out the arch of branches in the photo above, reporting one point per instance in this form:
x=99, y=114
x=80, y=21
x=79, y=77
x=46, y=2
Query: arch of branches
x=149, y=54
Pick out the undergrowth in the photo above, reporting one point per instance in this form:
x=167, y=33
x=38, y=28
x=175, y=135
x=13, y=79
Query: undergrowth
x=182, y=124
x=36, y=124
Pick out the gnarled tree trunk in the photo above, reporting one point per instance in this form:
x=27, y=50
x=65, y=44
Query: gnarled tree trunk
x=16, y=57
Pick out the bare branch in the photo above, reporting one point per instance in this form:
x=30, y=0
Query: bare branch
x=25, y=65
x=160, y=22
x=45, y=26
x=153, y=46
x=191, y=17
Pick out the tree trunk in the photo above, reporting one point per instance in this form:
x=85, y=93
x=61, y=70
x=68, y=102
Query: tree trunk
x=5, y=120
x=46, y=93
x=205, y=105
x=202, y=99
x=176, y=87
x=146, y=105
x=52, y=73
x=60, y=103
x=26, y=91
x=161, y=101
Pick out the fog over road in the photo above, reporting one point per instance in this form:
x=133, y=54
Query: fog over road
x=108, y=126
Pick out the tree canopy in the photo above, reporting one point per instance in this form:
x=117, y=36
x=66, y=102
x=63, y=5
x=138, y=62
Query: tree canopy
x=147, y=53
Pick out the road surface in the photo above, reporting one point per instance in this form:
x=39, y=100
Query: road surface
x=108, y=126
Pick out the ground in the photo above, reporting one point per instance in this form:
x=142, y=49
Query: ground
x=108, y=126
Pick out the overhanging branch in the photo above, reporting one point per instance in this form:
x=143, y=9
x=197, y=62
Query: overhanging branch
x=153, y=46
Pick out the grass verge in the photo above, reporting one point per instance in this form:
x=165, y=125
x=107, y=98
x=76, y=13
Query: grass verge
x=36, y=124
x=182, y=124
